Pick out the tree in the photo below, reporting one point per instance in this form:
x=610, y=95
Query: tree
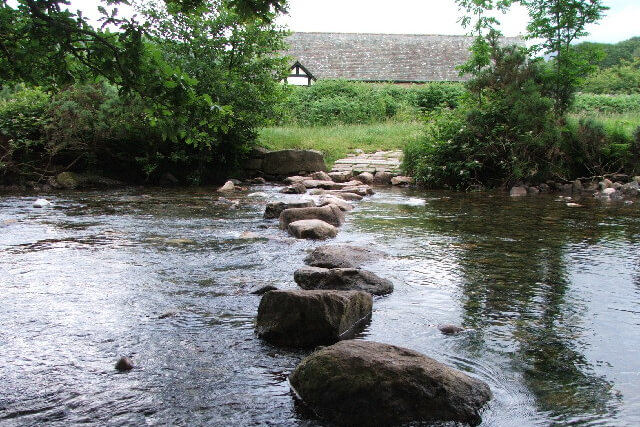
x=559, y=23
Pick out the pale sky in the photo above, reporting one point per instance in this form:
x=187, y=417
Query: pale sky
x=621, y=22
x=436, y=17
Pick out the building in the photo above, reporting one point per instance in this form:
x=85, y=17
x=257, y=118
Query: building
x=398, y=58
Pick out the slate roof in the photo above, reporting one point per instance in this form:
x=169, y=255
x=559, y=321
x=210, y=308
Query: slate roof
x=382, y=57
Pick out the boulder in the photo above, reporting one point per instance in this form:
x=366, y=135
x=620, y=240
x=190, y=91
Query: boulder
x=228, y=186
x=604, y=184
x=341, y=176
x=258, y=180
x=70, y=180
x=312, y=229
x=334, y=200
x=320, y=176
x=297, y=188
x=325, y=185
x=372, y=384
x=533, y=190
x=382, y=178
x=518, y=191
x=401, y=180
x=346, y=279
x=288, y=162
x=330, y=214
x=365, y=178
x=305, y=319
x=342, y=256
x=274, y=209
x=294, y=179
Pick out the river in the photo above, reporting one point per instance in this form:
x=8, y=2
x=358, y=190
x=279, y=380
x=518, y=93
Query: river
x=549, y=296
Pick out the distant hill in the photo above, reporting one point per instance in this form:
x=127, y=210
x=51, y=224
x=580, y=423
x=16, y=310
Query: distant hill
x=613, y=53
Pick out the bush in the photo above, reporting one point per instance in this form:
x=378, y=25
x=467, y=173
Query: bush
x=504, y=133
x=592, y=149
x=22, y=125
x=330, y=102
x=607, y=103
x=620, y=79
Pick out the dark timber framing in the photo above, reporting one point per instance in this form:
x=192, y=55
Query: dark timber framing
x=305, y=73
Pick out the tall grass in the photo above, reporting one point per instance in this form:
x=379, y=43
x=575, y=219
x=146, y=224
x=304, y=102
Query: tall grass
x=336, y=142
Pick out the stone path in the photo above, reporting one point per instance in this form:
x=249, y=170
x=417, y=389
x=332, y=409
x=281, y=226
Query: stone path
x=387, y=161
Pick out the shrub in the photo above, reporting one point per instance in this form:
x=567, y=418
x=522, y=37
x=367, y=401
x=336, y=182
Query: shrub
x=607, y=103
x=504, y=133
x=22, y=124
x=620, y=79
x=330, y=102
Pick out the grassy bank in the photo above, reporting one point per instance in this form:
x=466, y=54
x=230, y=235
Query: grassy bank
x=625, y=123
x=337, y=141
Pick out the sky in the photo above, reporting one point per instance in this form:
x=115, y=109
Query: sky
x=424, y=17
x=437, y=17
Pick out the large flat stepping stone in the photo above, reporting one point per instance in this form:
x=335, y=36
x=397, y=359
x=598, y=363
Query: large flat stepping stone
x=314, y=229
x=331, y=214
x=305, y=319
x=342, y=256
x=373, y=384
x=274, y=209
x=347, y=279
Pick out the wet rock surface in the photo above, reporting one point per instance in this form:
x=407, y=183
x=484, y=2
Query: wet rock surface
x=305, y=319
x=314, y=229
x=342, y=279
x=330, y=214
x=373, y=384
x=342, y=256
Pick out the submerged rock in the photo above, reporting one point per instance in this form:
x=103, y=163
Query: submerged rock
x=373, y=384
x=312, y=229
x=274, y=209
x=341, y=256
x=449, y=329
x=346, y=279
x=305, y=319
x=330, y=214
x=124, y=364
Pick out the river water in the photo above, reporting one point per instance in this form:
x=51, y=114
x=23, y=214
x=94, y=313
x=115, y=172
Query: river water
x=549, y=296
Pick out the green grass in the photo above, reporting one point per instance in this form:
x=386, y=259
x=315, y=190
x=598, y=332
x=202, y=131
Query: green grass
x=336, y=142
x=627, y=122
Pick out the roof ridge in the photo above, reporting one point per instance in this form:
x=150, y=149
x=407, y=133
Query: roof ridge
x=391, y=34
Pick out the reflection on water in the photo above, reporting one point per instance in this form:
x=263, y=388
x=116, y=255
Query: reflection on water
x=548, y=296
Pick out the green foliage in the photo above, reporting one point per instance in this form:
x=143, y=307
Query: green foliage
x=622, y=78
x=558, y=23
x=591, y=148
x=336, y=141
x=22, y=123
x=612, y=54
x=507, y=136
x=342, y=102
x=606, y=103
